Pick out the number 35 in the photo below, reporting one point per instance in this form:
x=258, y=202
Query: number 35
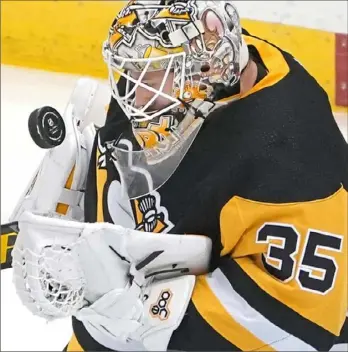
x=316, y=272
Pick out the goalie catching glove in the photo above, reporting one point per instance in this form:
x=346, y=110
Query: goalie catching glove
x=109, y=277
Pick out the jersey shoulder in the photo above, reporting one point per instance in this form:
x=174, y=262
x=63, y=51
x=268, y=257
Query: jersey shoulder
x=282, y=135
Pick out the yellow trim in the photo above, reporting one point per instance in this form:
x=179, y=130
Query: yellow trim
x=275, y=63
x=314, y=49
x=122, y=21
x=5, y=248
x=74, y=345
x=67, y=36
x=165, y=14
x=101, y=179
x=210, y=308
x=63, y=208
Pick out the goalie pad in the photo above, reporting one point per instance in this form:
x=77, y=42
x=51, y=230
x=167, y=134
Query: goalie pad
x=59, y=182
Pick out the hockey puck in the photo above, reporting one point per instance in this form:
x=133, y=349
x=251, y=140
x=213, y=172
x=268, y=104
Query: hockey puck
x=46, y=127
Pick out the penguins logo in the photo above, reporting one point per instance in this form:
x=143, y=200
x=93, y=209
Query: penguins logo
x=149, y=215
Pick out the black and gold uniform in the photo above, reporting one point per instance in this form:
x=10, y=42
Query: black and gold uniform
x=266, y=179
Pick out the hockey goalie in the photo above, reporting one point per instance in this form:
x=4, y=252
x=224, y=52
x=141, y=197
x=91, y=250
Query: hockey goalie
x=206, y=211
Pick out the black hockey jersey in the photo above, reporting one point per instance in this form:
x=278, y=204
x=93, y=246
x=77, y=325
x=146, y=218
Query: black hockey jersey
x=266, y=179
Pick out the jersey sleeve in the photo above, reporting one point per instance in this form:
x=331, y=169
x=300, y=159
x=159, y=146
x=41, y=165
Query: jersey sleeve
x=284, y=229
x=281, y=283
x=283, y=234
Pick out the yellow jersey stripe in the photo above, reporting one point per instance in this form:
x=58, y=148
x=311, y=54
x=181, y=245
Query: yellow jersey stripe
x=74, y=345
x=211, y=309
x=250, y=318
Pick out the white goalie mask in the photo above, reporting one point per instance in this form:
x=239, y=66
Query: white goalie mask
x=174, y=56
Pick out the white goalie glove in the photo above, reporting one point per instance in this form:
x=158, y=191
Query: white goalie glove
x=117, y=281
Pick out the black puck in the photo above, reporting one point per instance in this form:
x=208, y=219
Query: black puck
x=46, y=127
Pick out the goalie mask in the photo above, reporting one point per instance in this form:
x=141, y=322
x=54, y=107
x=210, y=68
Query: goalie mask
x=174, y=56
